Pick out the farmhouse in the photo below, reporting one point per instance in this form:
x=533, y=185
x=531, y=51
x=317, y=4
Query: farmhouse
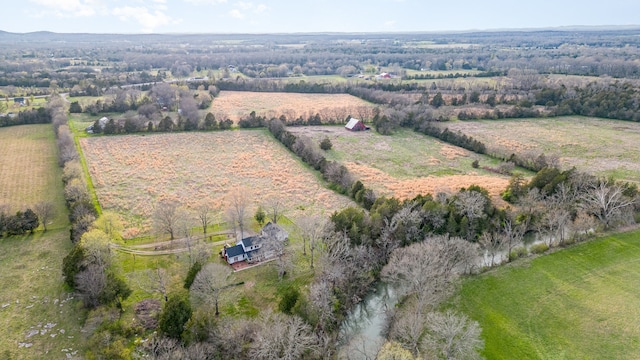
x=257, y=248
x=102, y=122
x=355, y=125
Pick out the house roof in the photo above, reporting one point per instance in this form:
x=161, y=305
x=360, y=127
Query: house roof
x=352, y=123
x=235, y=251
x=274, y=231
x=250, y=241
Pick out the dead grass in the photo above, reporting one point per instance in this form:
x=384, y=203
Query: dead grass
x=410, y=188
x=237, y=104
x=132, y=173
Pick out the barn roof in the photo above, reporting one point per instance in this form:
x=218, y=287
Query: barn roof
x=352, y=123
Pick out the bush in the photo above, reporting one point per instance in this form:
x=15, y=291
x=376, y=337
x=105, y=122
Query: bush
x=288, y=300
x=326, y=144
x=475, y=164
x=517, y=252
x=539, y=248
x=176, y=313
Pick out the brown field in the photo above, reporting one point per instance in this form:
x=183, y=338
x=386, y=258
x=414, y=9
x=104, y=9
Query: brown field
x=236, y=104
x=28, y=168
x=406, y=163
x=132, y=173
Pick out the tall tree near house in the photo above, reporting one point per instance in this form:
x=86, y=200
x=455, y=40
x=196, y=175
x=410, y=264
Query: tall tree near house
x=44, y=210
x=274, y=207
x=210, y=281
x=205, y=216
x=239, y=203
x=157, y=281
x=166, y=218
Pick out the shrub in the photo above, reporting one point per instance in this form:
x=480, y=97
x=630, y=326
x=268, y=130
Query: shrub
x=539, y=248
x=176, y=313
x=475, y=164
x=326, y=144
x=517, y=252
x=288, y=300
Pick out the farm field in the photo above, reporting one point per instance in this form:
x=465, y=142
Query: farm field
x=132, y=173
x=38, y=317
x=406, y=163
x=579, y=303
x=598, y=146
x=29, y=170
x=237, y=104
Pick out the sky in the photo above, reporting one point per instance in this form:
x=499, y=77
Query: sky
x=288, y=16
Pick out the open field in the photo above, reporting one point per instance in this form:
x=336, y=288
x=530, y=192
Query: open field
x=406, y=163
x=599, y=146
x=29, y=170
x=132, y=173
x=578, y=303
x=237, y=104
x=38, y=319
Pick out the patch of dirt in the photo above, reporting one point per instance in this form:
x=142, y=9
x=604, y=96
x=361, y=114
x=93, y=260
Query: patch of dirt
x=452, y=153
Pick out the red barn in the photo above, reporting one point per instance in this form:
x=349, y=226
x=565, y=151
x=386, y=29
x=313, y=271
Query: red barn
x=355, y=125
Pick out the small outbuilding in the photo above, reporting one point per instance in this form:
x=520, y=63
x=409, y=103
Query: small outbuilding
x=355, y=125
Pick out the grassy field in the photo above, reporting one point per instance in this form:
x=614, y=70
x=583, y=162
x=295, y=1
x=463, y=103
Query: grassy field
x=237, y=104
x=132, y=173
x=578, y=303
x=38, y=319
x=29, y=170
x=599, y=146
x=406, y=163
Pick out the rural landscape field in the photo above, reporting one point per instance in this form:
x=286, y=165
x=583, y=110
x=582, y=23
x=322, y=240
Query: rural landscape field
x=339, y=196
x=133, y=173
x=407, y=164
x=238, y=104
x=602, y=147
x=38, y=314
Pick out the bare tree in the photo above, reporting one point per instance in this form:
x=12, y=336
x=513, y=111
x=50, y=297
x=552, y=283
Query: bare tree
x=205, y=216
x=471, y=204
x=96, y=244
x=427, y=269
x=451, y=336
x=90, y=284
x=274, y=207
x=166, y=218
x=512, y=232
x=283, y=337
x=239, y=203
x=210, y=282
x=606, y=201
x=44, y=210
x=311, y=230
x=407, y=328
x=492, y=242
x=157, y=281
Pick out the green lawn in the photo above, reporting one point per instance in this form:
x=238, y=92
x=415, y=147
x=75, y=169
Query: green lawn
x=579, y=303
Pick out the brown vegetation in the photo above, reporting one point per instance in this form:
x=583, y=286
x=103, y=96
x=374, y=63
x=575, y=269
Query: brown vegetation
x=132, y=173
x=237, y=104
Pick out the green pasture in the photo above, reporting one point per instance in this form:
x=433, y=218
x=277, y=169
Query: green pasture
x=404, y=154
x=579, y=303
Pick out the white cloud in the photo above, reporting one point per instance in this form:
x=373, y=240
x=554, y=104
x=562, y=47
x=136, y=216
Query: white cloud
x=147, y=19
x=70, y=8
x=235, y=13
x=243, y=7
x=205, y=2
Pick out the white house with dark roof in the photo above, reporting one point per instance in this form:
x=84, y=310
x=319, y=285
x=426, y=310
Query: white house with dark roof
x=252, y=249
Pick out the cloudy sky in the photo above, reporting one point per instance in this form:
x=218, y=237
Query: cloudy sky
x=268, y=16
